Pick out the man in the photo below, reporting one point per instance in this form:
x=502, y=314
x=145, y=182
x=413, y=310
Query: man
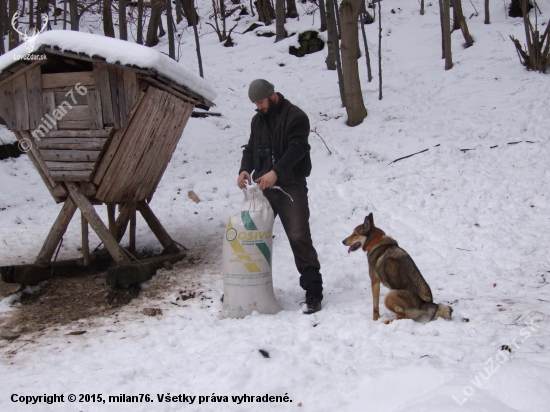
x=278, y=153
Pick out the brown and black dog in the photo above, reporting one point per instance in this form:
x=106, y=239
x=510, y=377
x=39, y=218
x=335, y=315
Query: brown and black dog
x=410, y=296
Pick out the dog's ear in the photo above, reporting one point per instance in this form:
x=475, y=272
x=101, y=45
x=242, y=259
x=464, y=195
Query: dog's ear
x=368, y=223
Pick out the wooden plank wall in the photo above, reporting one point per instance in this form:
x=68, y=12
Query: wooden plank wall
x=145, y=148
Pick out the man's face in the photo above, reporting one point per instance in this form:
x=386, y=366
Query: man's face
x=265, y=105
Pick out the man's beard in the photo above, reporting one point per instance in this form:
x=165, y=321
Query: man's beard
x=270, y=107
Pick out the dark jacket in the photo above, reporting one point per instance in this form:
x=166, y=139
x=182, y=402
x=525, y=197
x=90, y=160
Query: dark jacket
x=285, y=132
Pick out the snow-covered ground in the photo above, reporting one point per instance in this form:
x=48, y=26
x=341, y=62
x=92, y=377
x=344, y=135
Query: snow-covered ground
x=476, y=223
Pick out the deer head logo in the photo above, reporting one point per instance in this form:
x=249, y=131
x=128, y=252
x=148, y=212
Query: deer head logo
x=29, y=35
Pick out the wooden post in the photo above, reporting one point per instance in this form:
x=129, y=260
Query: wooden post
x=96, y=223
x=111, y=215
x=159, y=231
x=122, y=221
x=56, y=233
x=85, y=244
x=133, y=227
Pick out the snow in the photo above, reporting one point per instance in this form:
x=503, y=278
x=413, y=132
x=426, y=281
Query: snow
x=475, y=222
x=114, y=51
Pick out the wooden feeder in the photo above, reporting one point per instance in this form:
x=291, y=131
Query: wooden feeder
x=97, y=132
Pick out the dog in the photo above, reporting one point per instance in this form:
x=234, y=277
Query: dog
x=410, y=297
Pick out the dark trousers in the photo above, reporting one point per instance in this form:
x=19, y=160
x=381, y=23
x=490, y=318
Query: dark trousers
x=294, y=215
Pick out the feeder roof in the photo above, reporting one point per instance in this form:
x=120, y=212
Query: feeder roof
x=113, y=51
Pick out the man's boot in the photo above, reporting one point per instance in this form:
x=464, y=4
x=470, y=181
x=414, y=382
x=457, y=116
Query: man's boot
x=312, y=281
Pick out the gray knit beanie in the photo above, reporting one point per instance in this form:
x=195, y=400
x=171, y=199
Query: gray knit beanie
x=260, y=89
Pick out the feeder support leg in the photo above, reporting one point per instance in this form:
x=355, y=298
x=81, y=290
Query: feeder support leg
x=97, y=224
x=56, y=233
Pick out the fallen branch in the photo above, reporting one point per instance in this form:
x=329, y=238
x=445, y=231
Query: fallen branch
x=406, y=157
x=315, y=131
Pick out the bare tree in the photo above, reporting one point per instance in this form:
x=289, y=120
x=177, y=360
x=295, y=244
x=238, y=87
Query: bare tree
x=139, y=39
x=31, y=14
x=2, y=26
x=170, y=28
x=75, y=17
x=197, y=43
x=179, y=12
x=108, y=28
x=379, y=50
x=362, y=17
x=280, y=20
x=122, y=26
x=355, y=107
x=152, y=37
x=13, y=35
x=221, y=15
x=323, y=13
x=461, y=21
x=291, y=11
x=266, y=14
x=332, y=36
x=536, y=55
x=189, y=11
x=447, y=34
x=487, y=16
x=64, y=14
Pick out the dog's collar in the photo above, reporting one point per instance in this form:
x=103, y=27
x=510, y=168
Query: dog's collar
x=374, y=242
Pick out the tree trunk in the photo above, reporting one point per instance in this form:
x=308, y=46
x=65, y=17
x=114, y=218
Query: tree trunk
x=64, y=14
x=252, y=9
x=337, y=14
x=266, y=13
x=31, y=13
x=122, y=26
x=179, y=12
x=421, y=7
x=13, y=35
x=323, y=13
x=442, y=22
x=379, y=50
x=332, y=36
x=487, y=16
x=75, y=18
x=339, y=56
x=280, y=20
x=152, y=38
x=363, y=17
x=2, y=26
x=447, y=34
x=40, y=8
x=108, y=28
x=170, y=28
x=161, y=26
x=459, y=15
x=140, y=22
x=189, y=11
x=291, y=11
x=355, y=107
x=197, y=43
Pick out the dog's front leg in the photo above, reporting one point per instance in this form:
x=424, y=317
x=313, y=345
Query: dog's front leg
x=375, y=284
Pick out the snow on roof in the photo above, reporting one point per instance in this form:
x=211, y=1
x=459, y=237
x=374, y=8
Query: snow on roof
x=114, y=51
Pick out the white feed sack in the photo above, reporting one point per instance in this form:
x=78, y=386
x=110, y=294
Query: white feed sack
x=247, y=246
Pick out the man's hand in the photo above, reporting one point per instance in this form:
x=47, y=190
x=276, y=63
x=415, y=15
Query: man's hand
x=267, y=180
x=244, y=179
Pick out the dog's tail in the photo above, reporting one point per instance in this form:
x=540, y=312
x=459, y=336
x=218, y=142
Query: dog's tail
x=443, y=311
